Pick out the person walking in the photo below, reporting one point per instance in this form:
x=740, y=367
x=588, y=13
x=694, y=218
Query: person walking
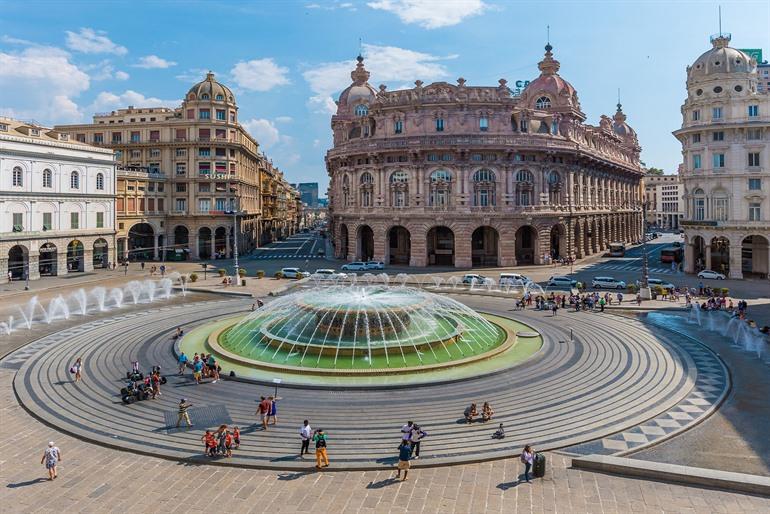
x=182, y=361
x=602, y=302
x=77, y=369
x=263, y=411
x=404, y=457
x=415, y=439
x=319, y=438
x=527, y=458
x=554, y=308
x=183, y=414
x=406, y=430
x=162, y=270
x=305, y=433
x=273, y=409
x=51, y=457
x=155, y=383
x=197, y=370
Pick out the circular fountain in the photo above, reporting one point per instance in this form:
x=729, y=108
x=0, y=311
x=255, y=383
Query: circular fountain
x=361, y=330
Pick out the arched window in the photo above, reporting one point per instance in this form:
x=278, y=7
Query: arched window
x=399, y=188
x=554, y=187
x=543, y=103
x=524, y=187
x=74, y=180
x=47, y=178
x=18, y=177
x=441, y=176
x=204, y=96
x=399, y=176
x=99, y=181
x=523, y=176
x=361, y=110
x=220, y=98
x=483, y=188
x=554, y=178
x=484, y=175
x=440, y=188
x=366, y=178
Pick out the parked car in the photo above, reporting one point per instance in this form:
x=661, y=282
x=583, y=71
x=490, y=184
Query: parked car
x=512, y=279
x=607, y=283
x=469, y=277
x=294, y=273
x=707, y=273
x=561, y=281
x=354, y=266
x=329, y=273
x=375, y=265
x=661, y=283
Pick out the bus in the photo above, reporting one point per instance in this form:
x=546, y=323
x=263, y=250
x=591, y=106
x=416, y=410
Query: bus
x=617, y=249
x=672, y=254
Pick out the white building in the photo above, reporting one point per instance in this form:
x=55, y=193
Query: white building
x=663, y=194
x=725, y=138
x=57, y=202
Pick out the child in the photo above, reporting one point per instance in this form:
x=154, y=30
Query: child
x=228, y=444
x=499, y=433
x=237, y=437
x=210, y=443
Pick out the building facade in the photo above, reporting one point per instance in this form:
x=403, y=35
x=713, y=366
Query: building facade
x=462, y=176
x=57, y=203
x=182, y=174
x=725, y=138
x=663, y=194
x=309, y=193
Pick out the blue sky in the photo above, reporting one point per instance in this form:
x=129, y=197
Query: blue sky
x=62, y=61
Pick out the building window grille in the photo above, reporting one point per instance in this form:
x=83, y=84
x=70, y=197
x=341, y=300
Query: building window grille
x=18, y=177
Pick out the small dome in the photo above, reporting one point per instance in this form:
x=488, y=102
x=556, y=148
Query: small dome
x=619, y=125
x=358, y=92
x=721, y=59
x=551, y=84
x=210, y=89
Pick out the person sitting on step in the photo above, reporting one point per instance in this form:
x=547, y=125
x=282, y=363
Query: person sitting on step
x=486, y=412
x=470, y=413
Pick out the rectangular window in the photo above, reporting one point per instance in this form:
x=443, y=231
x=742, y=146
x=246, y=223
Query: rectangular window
x=132, y=205
x=439, y=124
x=153, y=167
x=753, y=159
x=190, y=114
x=524, y=126
x=204, y=152
x=136, y=154
x=204, y=205
x=696, y=164
x=155, y=135
x=221, y=152
x=47, y=216
x=716, y=113
x=753, y=111
x=696, y=138
x=181, y=168
x=135, y=137
x=151, y=204
x=700, y=209
x=181, y=204
x=204, y=168
x=398, y=127
x=120, y=205
x=221, y=204
x=221, y=134
x=181, y=188
x=181, y=135
x=160, y=204
x=99, y=220
x=696, y=115
x=755, y=184
x=18, y=221
x=221, y=114
x=74, y=220
x=754, y=134
x=155, y=152
x=151, y=187
x=160, y=187
x=181, y=152
x=98, y=137
x=117, y=137
x=718, y=135
x=220, y=167
x=483, y=124
x=204, y=134
x=432, y=157
x=204, y=187
x=720, y=209
x=204, y=114
x=755, y=213
x=81, y=138
x=718, y=160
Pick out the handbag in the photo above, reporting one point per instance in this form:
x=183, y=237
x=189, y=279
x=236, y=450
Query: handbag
x=72, y=369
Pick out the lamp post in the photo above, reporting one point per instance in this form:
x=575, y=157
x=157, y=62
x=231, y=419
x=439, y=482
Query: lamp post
x=644, y=286
x=235, y=239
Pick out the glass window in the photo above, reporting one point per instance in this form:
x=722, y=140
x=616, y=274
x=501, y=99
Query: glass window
x=99, y=181
x=117, y=137
x=181, y=188
x=74, y=180
x=696, y=164
x=524, y=126
x=204, y=134
x=47, y=217
x=399, y=176
x=221, y=114
x=135, y=137
x=98, y=138
x=204, y=204
x=720, y=209
x=181, y=168
x=523, y=176
x=696, y=138
x=18, y=221
x=181, y=152
x=716, y=113
x=18, y=177
x=204, y=152
x=432, y=157
x=719, y=160
x=204, y=187
x=439, y=124
x=543, y=103
x=204, y=168
x=398, y=127
x=753, y=111
x=155, y=152
x=484, y=175
x=754, y=134
x=99, y=220
x=755, y=213
x=446, y=157
x=204, y=114
x=440, y=176
x=700, y=209
x=367, y=178
x=755, y=184
x=718, y=135
x=154, y=135
x=74, y=220
x=221, y=204
x=181, y=135
x=753, y=159
x=181, y=204
x=220, y=98
x=696, y=115
x=483, y=123
x=361, y=110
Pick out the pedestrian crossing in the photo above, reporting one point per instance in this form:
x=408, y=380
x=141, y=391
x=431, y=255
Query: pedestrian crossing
x=637, y=267
x=266, y=256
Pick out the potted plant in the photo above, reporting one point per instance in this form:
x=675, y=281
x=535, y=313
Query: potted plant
x=260, y=273
x=631, y=288
x=278, y=275
x=222, y=272
x=241, y=272
x=193, y=277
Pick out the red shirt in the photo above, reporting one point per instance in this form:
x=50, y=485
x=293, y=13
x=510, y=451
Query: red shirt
x=264, y=406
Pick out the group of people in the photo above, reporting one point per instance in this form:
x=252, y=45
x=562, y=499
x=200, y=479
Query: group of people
x=203, y=366
x=471, y=412
x=267, y=410
x=221, y=442
x=318, y=438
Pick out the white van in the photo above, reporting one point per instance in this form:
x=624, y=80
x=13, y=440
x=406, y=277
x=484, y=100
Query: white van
x=512, y=279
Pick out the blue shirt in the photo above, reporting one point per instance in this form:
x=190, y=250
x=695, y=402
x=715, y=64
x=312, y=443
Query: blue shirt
x=198, y=366
x=404, y=452
x=182, y=359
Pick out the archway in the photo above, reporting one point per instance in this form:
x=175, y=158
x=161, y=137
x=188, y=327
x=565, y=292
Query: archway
x=204, y=243
x=484, y=245
x=720, y=255
x=399, y=245
x=18, y=261
x=343, y=251
x=75, y=260
x=101, y=254
x=699, y=253
x=558, y=242
x=365, y=243
x=754, y=256
x=526, y=242
x=48, y=260
x=441, y=246
x=141, y=242
x=220, y=242
x=181, y=246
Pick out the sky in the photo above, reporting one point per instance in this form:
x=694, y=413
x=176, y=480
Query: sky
x=288, y=60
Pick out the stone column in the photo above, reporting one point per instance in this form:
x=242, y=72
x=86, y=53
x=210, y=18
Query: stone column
x=507, y=249
x=4, y=270
x=212, y=244
x=707, y=251
x=156, y=244
x=689, y=258
x=227, y=242
x=379, y=237
x=34, y=266
x=577, y=242
x=61, y=261
x=463, y=257
x=419, y=250
x=194, y=242
x=736, y=267
x=88, y=260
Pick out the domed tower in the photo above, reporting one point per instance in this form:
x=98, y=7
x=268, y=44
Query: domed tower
x=550, y=91
x=210, y=98
x=721, y=69
x=352, y=120
x=624, y=130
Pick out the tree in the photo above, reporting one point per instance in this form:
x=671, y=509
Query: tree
x=654, y=171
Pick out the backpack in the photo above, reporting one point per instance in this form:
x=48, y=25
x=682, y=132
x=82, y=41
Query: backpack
x=320, y=442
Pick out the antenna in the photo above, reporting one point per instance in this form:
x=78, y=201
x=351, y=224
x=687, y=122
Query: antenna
x=548, y=34
x=361, y=46
x=720, y=21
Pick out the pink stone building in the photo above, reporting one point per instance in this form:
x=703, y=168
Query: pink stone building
x=463, y=176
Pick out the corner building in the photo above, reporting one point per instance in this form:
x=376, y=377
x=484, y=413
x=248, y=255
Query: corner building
x=725, y=138
x=460, y=175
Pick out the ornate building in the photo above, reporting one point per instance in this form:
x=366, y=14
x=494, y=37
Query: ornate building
x=726, y=170
x=182, y=172
x=462, y=175
x=57, y=203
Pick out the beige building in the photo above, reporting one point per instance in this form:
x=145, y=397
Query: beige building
x=182, y=174
x=663, y=195
x=725, y=138
x=57, y=203
x=461, y=175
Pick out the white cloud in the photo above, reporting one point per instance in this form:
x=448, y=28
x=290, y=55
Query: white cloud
x=104, y=70
x=385, y=63
x=39, y=83
x=121, y=75
x=259, y=74
x=16, y=41
x=194, y=75
x=107, y=101
x=90, y=41
x=316, y=143
x=284, y=119
x=264, y=131
x=153, y=62
x=431, y=14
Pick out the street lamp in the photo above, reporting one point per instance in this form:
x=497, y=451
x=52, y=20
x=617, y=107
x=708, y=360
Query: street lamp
x=235, y=238
x=644, y=286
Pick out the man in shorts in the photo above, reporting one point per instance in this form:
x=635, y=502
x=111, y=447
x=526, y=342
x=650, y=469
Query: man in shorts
x=404, y=456
x=263, y=411
x=197, y=370
x=183, y=414
x=182, y=362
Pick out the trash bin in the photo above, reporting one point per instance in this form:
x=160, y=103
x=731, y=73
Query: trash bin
x=243, y=282
x=538, y=468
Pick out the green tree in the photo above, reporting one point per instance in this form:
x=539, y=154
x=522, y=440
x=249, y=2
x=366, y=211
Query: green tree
x=654, y=171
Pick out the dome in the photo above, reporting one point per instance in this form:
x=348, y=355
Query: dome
x=619, y=125
x=721, y=59
x=551, y=84
x=214, y=89
x=358, y=92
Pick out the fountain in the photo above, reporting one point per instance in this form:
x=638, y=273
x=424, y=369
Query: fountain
x=134, y=288
x=454, y=281
x=6, y=327
x=57, y=309
x=148, y=287
x=490, y=284
x=100, y=295
x=116, y=295
x=401, y=279
x=695, y=314
x=384, y=278
x=437, y=281
x=81, y=300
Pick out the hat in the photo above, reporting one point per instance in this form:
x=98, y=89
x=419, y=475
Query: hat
x=50, y=443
